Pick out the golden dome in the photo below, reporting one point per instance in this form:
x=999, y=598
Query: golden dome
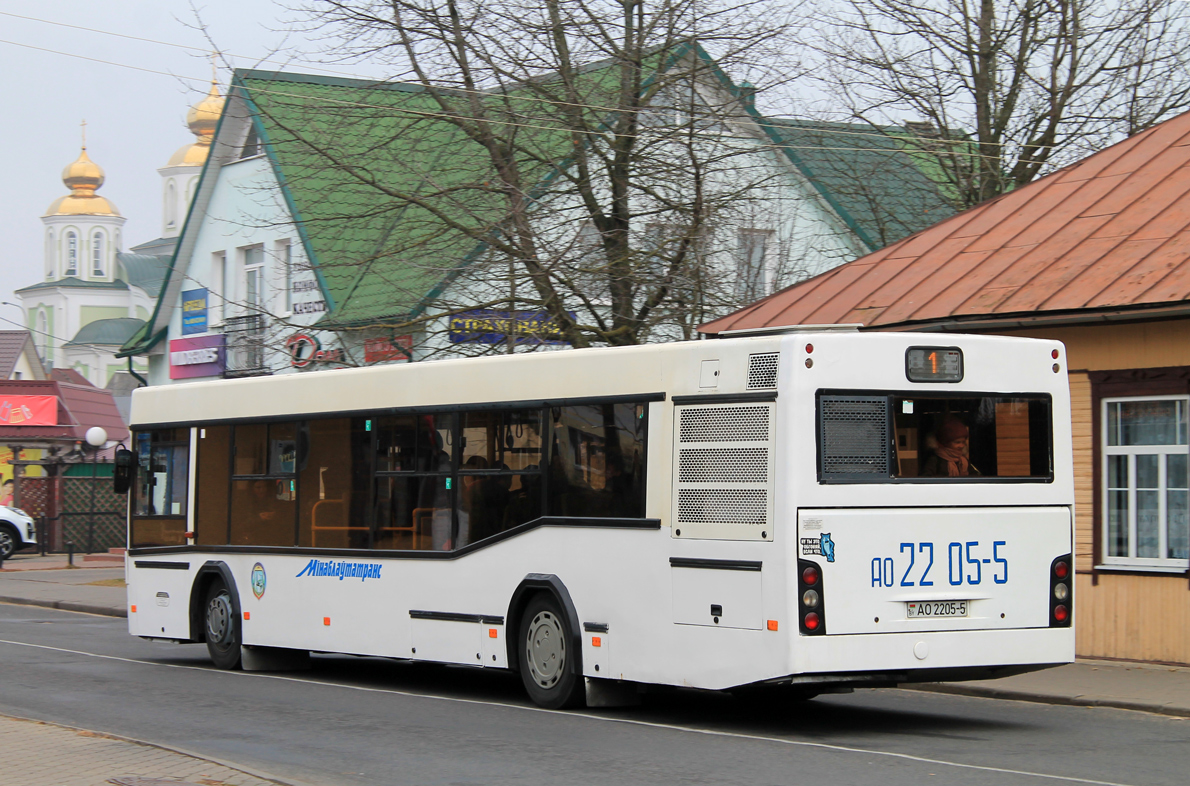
x=202, y=119
x=82, y=177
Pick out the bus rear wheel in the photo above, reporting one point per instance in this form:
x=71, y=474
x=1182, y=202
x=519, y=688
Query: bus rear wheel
x=547, y=664
x=222, y=628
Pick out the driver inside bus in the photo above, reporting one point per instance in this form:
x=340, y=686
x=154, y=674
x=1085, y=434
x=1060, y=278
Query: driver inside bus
x=952, y=449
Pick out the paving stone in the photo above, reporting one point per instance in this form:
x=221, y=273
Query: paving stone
x=42, y=754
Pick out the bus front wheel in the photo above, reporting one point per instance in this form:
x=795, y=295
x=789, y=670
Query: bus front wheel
x=547, y=664
x=222, y=628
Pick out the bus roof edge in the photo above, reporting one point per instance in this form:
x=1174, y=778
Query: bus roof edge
x=769, y=331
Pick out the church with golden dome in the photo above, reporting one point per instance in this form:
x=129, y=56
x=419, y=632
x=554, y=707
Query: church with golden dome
x=93, y=295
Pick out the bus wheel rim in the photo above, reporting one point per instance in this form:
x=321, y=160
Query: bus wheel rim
x=218, y=617
x=545, y=650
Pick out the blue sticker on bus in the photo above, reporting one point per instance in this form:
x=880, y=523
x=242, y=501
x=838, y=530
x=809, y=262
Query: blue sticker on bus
x=341, y=570
x=821, y=546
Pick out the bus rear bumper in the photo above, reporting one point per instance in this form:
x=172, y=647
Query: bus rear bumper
x=934, y=656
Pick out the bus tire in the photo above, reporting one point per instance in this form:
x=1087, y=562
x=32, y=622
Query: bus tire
x=547, y=665
x=222, y=627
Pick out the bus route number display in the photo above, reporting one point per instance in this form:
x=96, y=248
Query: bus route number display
x=934, y=364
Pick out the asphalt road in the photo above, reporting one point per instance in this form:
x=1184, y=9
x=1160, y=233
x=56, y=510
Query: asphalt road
x=369, y=721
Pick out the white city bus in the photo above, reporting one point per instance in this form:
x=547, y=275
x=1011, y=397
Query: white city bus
x=819, y=508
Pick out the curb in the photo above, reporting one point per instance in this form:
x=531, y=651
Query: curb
x=68, y=605
x=1047, y=698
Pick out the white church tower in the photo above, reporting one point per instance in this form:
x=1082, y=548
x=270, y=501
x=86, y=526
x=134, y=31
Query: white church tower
x=82, y=239
x=92, y=296
x=180, y=176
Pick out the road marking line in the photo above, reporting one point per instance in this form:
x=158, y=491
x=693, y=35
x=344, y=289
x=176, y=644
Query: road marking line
x=630, y=721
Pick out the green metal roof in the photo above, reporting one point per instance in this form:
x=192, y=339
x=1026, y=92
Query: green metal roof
x=409, y=199
x=107, y=331
x=879, y=177
x=146, y=271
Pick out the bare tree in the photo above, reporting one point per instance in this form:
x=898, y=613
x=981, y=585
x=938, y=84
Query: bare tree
x=1014, y=88
x=585, y=159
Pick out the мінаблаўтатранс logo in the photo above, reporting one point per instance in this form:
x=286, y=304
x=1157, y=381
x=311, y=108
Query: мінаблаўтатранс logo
x=341, y=570
x=259, y=580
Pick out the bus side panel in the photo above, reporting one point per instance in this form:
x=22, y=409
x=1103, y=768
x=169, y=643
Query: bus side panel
x=159, y=600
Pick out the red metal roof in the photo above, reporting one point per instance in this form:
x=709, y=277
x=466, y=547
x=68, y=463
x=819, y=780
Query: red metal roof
x=1110, y=233
x=79, y=408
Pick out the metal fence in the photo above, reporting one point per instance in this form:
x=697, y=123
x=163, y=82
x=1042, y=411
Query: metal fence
x=82, y=511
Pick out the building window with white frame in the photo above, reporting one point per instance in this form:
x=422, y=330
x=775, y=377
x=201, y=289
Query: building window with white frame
x=98, y=269
x=284, y=255
x=253, y=280
x=751, y=279
x=1146, y=496
x=72, y=254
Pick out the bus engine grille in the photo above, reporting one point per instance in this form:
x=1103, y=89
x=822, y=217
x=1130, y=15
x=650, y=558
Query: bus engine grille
x=723, y=474
x=706, y=506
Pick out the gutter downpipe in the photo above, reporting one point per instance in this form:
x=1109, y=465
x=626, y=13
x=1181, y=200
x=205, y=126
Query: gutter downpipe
x=144, y=383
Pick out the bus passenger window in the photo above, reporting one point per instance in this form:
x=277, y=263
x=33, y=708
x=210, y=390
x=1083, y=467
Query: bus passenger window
x=334, y=473
x=596, y=461
x=414, y=489
x=162, y=484
x=500, y=475
x=263, y=488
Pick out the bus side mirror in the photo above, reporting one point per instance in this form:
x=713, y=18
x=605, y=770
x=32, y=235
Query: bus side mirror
x=122, y=473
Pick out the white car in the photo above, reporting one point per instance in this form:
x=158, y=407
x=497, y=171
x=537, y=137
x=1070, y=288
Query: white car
x=17, y=531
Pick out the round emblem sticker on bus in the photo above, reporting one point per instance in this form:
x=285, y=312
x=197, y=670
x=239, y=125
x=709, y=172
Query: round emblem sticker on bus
x=259, y=580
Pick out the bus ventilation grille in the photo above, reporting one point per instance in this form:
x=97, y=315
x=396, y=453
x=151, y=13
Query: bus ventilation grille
x=854, y=436
x=739, y=506
x=725, y=424
x=724, y=465
x=723, y=468
x=762, y=370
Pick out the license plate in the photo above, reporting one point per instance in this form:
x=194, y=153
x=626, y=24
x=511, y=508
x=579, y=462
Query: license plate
x=936, y=608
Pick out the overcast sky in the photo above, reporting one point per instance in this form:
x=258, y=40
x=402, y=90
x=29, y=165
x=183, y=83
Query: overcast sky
x=135, y=103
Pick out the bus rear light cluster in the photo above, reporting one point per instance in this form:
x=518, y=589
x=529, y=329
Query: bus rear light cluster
x=1061, y=595
x=811, y=597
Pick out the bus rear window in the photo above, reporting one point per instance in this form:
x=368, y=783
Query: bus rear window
x=890, y=437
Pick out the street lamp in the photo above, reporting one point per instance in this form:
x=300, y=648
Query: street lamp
x=96, y=437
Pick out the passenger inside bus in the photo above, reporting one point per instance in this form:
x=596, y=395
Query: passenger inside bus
x=951, y=456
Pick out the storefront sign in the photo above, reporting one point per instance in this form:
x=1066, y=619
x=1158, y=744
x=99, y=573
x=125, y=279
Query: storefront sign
x=305, y=349
x=194, y=311
x=196, y=357
x=28, y=411
x=379, y=350
x=488, y=326
x=310, y=307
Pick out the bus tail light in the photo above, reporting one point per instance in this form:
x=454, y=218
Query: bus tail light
x=1062, y=592
x=811, y=599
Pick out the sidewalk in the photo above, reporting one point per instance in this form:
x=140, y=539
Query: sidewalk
x=92, y=586
x=97, y=588
x=43, y=754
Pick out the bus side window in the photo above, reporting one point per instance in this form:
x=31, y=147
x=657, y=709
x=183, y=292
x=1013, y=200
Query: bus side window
x=500, y=474
x=163, y=474
x=333, y=476
x=263, y=488
x=595, y=461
